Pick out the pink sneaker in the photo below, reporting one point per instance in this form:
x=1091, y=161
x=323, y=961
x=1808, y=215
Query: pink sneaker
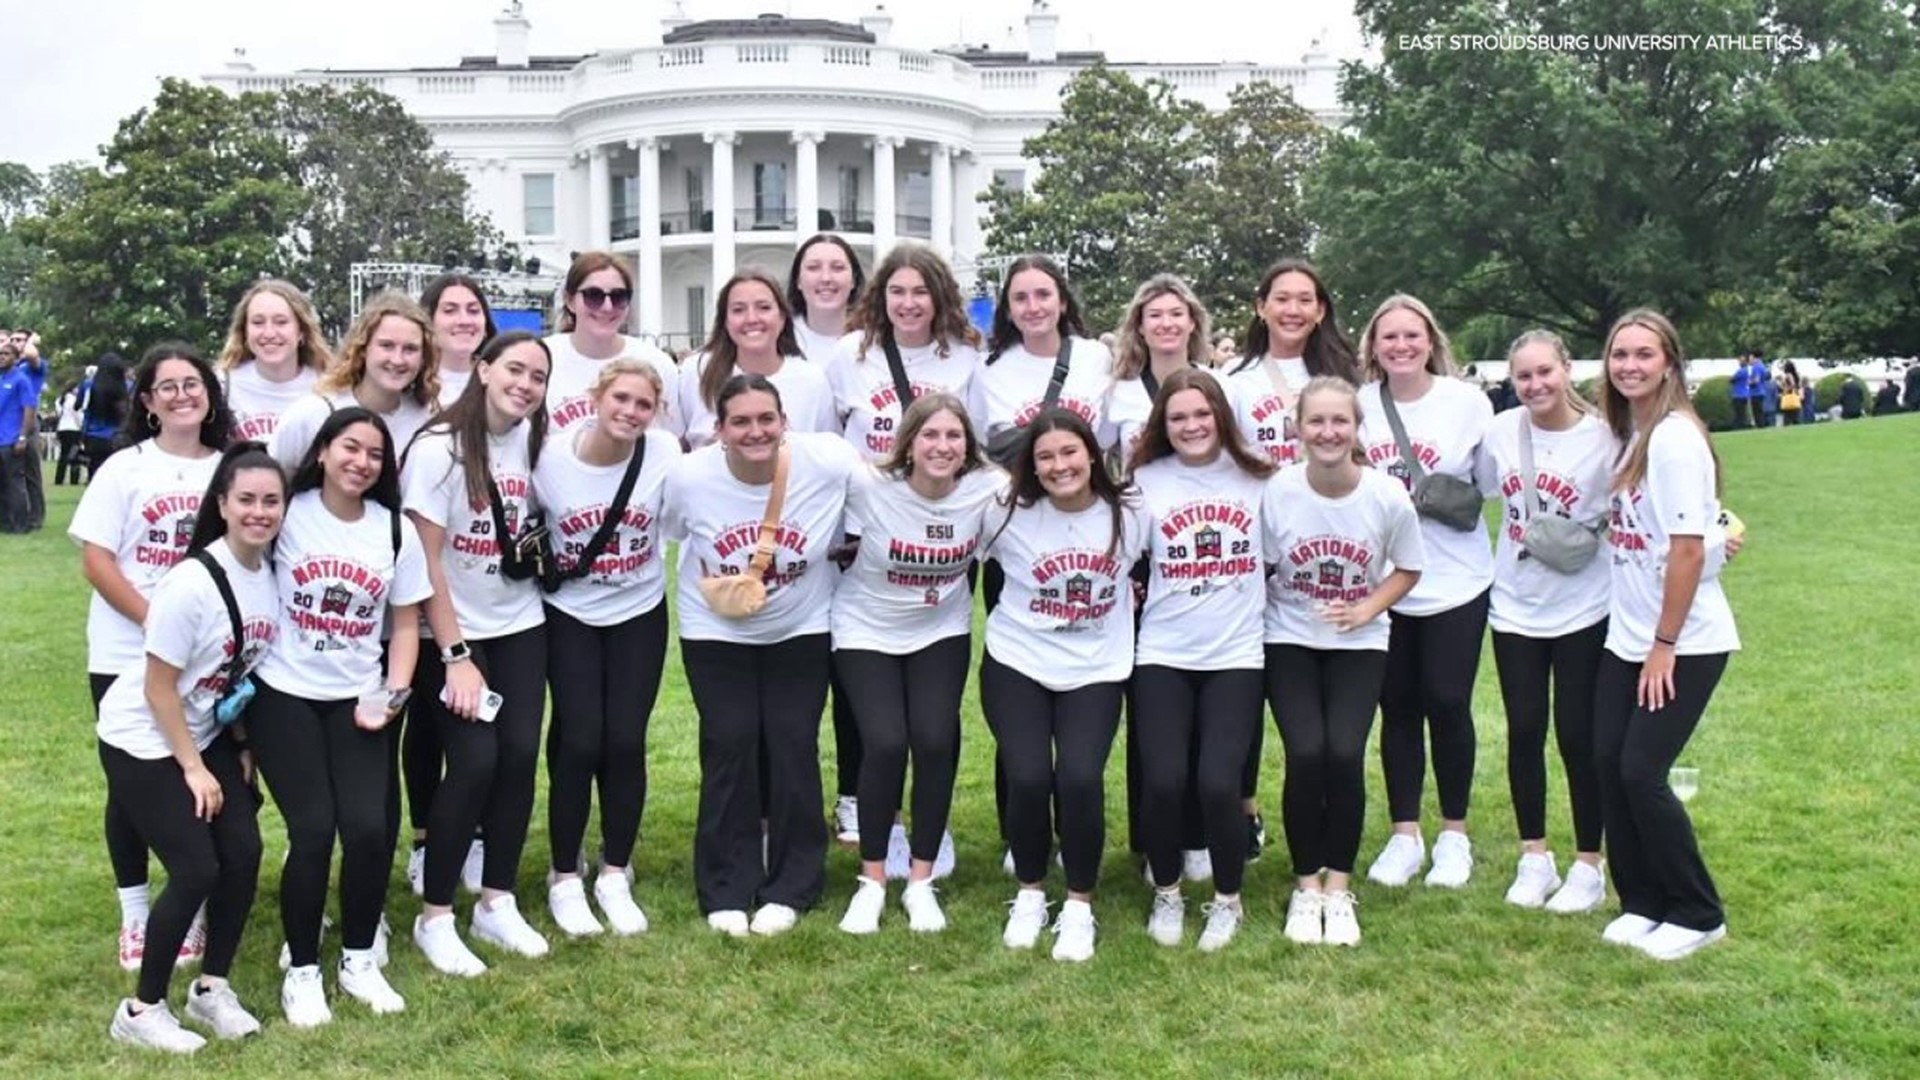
x=194, y=948
x=133, y=945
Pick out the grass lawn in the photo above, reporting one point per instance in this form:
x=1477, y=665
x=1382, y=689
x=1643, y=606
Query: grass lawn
x=1811, y=776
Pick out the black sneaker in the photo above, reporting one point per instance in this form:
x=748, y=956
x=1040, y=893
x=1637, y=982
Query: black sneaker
x=1256, y=836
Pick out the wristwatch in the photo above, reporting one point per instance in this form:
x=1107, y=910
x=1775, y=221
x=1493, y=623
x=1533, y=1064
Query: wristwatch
x=456, y=653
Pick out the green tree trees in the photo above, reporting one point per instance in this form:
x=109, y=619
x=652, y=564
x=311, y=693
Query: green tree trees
x=1136, y=181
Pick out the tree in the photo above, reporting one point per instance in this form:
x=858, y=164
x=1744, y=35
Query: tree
x=20, y=191
x=195, y=202
x=1563, y=185
x=377, y=190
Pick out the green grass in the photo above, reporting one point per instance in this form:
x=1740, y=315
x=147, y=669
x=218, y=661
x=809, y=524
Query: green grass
x=1811, y=776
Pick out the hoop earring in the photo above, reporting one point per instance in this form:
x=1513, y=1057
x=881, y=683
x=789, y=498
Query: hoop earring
x=153, y=423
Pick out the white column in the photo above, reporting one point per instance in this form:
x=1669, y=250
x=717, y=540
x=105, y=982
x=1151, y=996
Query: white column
x=579, y=193
x=651, y=287
x=883, y=220
x=722, y=206
x=599, y=199
x=940, y=167
x=806, y=181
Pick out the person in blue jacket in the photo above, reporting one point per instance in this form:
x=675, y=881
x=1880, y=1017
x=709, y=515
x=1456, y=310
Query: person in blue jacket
x=1742, y=390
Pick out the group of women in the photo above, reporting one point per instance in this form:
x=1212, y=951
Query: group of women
x=298, y=557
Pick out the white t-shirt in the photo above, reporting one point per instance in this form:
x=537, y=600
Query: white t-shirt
x=569, y=402
x=140, y=505
x=1572, y=470
x=1065, y=617
x=1334, y=549
x=1015, y=386
x=488, y=604
x=452, y=385
x=257, y=402
x=1207, y=588
x=627, y=577
x=717, y=520
x=188, y=627
x=907, y=587
x=1446, y=427
x=1675, y=499
x=336, y=579
x=1265, y=415
x=304, y=418
x=816, y=347
x=865, y=397
x=805, y=396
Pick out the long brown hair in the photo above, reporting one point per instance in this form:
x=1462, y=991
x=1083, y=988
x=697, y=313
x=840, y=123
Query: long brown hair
x=1154, y=443
x=1327, y=351
x=1630, y=468
x=1130, y=353
x=1006, y=335
x=425, y=388
x=899, y=464
x=312, y=351
x=868, y=311
x=722, y=353
x=1026, y=488
x=466, y=419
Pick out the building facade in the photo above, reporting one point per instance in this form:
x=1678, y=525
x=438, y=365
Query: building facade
x=733, y=140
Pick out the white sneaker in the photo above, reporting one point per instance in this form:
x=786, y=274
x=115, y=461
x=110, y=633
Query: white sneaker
x=1197, y=865
x=846, y=819
x=475, y=867
x=1223, y=922
x=1669, y=941
x=417, y=870
x=502, y=924
x=439, y=940
x=1167, y=922
x=1073, y=932
x=1452, y=860
x=1303, y=917
x=1342, y=925
x=362, y=980
x=899, y=854
x=614, y=894
x=382, y=937
x=731, y=923
x=1627, y=929
x=1025, y=919
x=1402, y=858
x=1535, y=878
x=154, y=1027
x=286, y=950
x=194, y=948
x=863, y=911
x=1585, y=890
x=924, y=915
x=567, y=901
x=219, y=1008
x=943, y=859
x=303, y=997
x=773, y=919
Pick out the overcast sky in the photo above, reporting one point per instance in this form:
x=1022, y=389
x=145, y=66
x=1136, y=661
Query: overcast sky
x=72, y=72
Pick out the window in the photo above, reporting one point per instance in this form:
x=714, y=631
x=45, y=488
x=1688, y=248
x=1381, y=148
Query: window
x=1013, y=179
x=697, y=312
x=696, y=195
x=849, y=195
x=626, y=207
x=769, y=195
x=537, y=189
x=916, y=212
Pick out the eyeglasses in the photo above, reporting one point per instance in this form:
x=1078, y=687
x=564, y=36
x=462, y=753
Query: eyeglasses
x=176, y=389
x=596, y=296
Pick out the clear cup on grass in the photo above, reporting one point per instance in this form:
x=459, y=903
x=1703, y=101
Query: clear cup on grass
x=1685, y=782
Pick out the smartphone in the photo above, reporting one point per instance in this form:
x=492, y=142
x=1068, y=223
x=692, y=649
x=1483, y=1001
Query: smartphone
x=490, y=703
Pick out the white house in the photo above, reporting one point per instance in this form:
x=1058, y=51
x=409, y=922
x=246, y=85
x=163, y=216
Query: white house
x=732, y=140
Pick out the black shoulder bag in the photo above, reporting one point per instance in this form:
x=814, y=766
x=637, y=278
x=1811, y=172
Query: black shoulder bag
x=609, y=524
x=239, y=692
x=528, y=555
x=1004, y=446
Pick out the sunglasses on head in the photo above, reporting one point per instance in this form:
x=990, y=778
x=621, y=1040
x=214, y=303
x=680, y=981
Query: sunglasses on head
x=595, y=296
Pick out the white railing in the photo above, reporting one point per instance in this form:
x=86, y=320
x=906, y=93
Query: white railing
x=916, y=62
x=447, y=84
x=683, y=56
x=849, y=55
x=760, y=54
x=1009, y=80
x=537, y=82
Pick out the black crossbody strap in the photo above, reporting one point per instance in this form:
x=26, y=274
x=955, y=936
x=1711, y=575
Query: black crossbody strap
x=610, y=523
x=902, y=387
x=1058, y=381
x=237, y=663
x=1400, y=435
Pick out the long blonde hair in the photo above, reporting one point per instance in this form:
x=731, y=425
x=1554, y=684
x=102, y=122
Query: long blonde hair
x=1630, y=468
x=1131, y=355
x=1439, y=360
x=425, y=388
x=313, y=345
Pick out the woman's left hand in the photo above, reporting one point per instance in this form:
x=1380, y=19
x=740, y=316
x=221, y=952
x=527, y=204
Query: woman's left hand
x=1656, y=679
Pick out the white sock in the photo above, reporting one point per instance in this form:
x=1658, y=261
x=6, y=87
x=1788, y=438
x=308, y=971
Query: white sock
x=133, y=905
x=364, y=956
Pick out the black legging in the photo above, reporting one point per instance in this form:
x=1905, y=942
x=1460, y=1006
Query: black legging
x=1656, y=863
x=1323, y=702
x=1193, y=826
x=214, y=863
x=906, y=704
x=1432, y=661
x=848, y=743
x=328, y=776
x=747, y=696
x=70, y=467
x=418, y=741
x=126, y=849
x=1178, y=715
x=490, y=767
x=604, y=680
x=1053, y=744
x=1573, y=661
